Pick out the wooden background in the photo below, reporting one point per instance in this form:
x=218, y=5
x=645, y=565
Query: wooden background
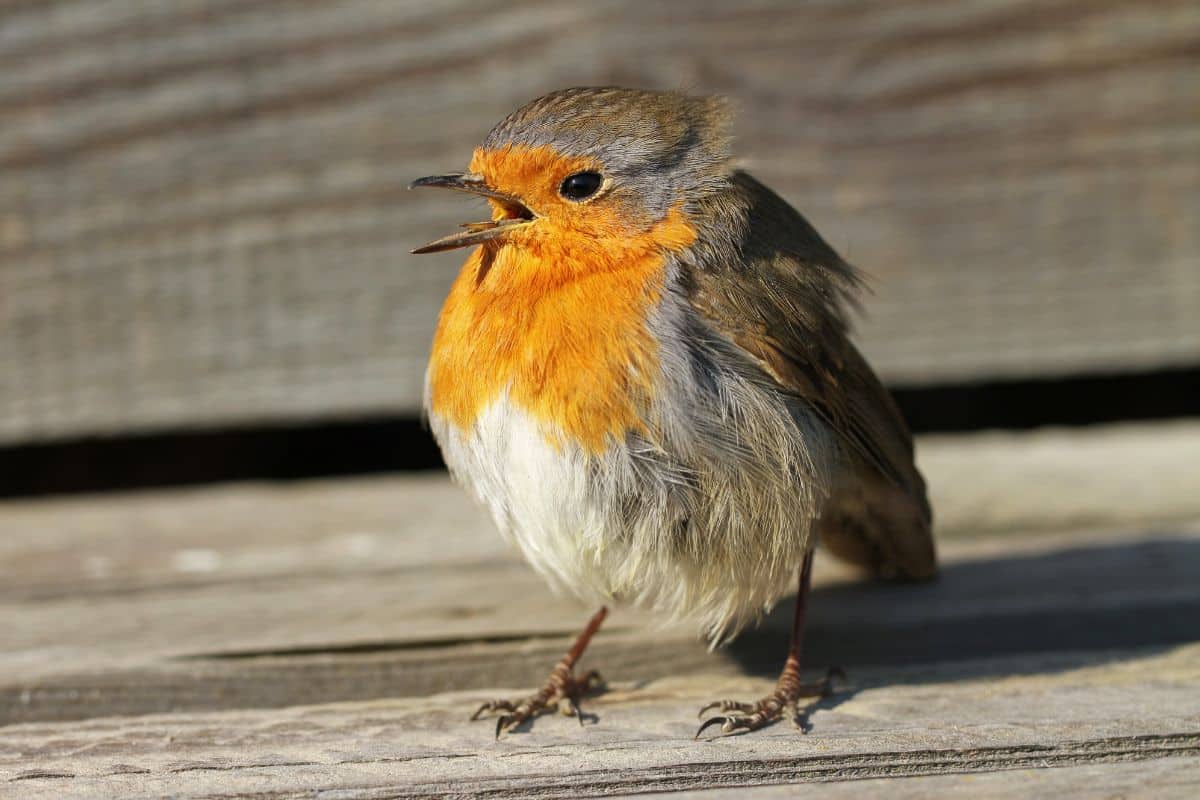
x=203, y=218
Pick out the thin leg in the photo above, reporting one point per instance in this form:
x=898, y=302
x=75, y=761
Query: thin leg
x=788, y=689
x=562, y=689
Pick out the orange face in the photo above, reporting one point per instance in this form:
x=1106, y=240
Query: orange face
x=554, y=309
x=535, y=176
x=570, y=237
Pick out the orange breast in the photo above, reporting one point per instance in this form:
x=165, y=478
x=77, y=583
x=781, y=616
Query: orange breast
x=567, y=340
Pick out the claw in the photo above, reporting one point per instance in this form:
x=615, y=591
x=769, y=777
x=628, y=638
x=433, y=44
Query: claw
x=575, y=711
x=492, y=705
x=563, y=695
x=752, y=716
x=708, y=723
x=560, y=690
x=730, y=724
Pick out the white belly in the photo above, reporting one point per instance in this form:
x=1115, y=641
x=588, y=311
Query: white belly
x=541, y=498
x=711, y=535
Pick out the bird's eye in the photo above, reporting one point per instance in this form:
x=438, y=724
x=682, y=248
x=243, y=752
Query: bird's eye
x=581, y=185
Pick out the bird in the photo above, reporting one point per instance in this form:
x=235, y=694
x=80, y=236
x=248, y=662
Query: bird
x=644, y=371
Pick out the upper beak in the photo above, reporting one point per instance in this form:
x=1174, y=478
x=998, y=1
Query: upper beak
x=516, y=213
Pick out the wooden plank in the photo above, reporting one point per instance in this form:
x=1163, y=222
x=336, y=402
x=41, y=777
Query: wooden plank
x=1100, y=476
x=1097, y=713
x=1111, y=476
x=249, y=596
x=329, y=639
x=405, y=635
x=203, y=222
x=1170, y=779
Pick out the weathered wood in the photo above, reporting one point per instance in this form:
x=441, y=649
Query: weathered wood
x=640, y=740
x=247, y=643
x=1165, y=779
x=203, y=217
x=252, y=596
x=331, y=637
x=1111, y=476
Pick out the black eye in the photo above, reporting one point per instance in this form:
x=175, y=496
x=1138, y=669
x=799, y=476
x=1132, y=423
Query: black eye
x=581, y=185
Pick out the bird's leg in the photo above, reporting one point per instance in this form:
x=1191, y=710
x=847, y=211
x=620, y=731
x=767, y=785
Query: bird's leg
x=738, y=716
x=561, y=690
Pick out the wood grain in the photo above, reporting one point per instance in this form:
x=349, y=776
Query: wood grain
x=329, y=639
x=352, y=589
x=639, y=741
x=203, y=218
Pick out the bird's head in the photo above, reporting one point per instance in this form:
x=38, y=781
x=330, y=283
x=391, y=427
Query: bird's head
x=593, y=169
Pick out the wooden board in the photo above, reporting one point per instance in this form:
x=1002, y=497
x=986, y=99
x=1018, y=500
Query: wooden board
x=262, y=641
x=1173, y=779
x=203, y=218
x=640, y=740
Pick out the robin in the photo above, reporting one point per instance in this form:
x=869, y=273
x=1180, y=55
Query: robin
x=643, y=370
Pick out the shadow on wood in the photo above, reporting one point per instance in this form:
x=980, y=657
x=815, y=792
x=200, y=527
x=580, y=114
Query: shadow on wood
x=987, y=616
x=1076, y=600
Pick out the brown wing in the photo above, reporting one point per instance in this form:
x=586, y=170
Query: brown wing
x=781, y=293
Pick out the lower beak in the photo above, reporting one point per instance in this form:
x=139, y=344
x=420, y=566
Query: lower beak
x=517, y=215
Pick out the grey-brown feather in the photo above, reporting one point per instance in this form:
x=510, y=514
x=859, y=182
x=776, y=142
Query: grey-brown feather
x=762, y=277
x=654, y=144
x=764, y=427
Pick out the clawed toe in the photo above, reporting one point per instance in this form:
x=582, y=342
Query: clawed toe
x=516, y=712
x=562, y=691
x=728, y=724
x=727, y=705
x=752, y=716
x=742, y=721
x=493, y=705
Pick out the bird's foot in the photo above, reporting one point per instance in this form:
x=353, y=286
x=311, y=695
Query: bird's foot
x=737, y=716
x=562, y=690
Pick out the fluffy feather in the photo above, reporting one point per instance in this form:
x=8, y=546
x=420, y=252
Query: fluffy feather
x=654, y=392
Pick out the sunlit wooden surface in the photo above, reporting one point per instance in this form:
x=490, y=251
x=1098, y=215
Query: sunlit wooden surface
x=266, y=641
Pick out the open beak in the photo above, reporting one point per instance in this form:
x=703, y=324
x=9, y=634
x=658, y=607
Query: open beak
x=516, y=214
